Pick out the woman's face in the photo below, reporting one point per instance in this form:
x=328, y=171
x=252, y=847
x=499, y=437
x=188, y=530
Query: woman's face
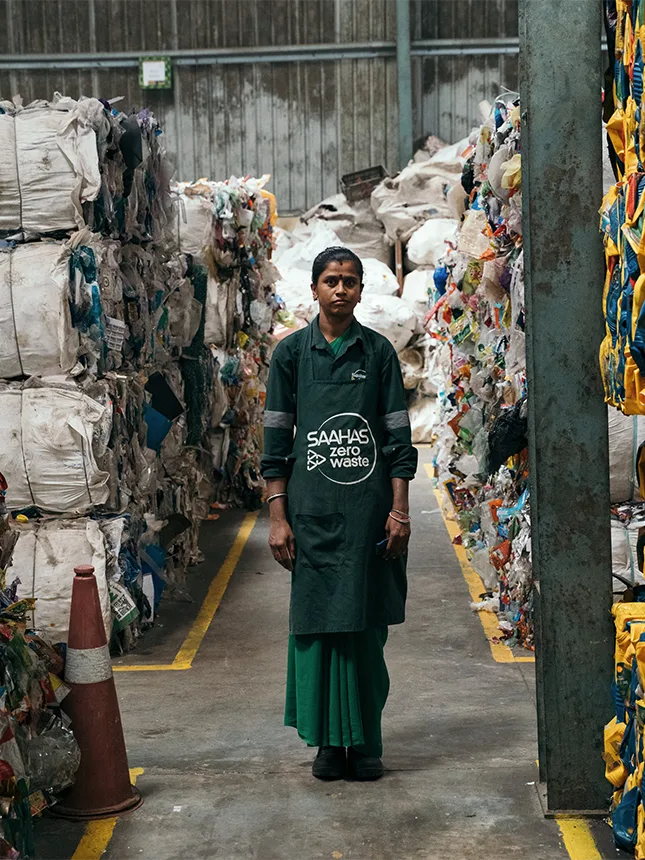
x=338, y=290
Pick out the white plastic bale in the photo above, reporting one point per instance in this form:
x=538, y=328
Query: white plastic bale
x=417, y=288
x=10, y=195
x=44, y=560
x=36, y=333
x=390, y=316
x=428, y=244
x=624, y=556
x=47, y=455
x=378, y=278
x=295, y=291
x=626, y=433
x=193, y=223
x=54, y=168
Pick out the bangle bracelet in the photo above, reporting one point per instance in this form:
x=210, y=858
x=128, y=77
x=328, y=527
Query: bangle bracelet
x=403, y=522
x=276, y=496
x=403, y=513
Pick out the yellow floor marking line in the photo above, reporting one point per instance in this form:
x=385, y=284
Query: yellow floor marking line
x=501, y=652
x=98, y=834
x=578, y=839
x=186, y=654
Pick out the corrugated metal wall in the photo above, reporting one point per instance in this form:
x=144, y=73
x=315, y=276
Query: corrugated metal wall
x=305, y=122
x=448, y=90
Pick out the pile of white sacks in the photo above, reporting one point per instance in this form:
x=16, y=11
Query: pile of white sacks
x=415, y=207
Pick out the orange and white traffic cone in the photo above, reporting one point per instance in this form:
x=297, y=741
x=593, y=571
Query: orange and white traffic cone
x=102, y=788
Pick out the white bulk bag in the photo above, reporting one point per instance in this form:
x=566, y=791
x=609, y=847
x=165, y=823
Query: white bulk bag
x=295, y=291
x=378, y=278
x=390, y=316
x=36, y=333
x=626, y=432
x=49, y=165
x=46, y=454
x=194, y=217
x=428, y=243
x=624, y=555
x=318, y=236
x=44, y=559
x=417, y=288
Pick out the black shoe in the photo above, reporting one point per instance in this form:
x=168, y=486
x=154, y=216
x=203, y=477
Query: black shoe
x=330, y=763
x=364, y=767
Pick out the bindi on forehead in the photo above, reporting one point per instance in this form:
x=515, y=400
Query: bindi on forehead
x=345, y=268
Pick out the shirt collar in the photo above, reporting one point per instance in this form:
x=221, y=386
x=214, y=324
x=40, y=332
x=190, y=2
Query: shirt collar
x=354, y=335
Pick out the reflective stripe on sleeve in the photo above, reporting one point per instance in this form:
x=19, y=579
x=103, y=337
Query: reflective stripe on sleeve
x=396, y=420
x=279, y=420
x=88, y=665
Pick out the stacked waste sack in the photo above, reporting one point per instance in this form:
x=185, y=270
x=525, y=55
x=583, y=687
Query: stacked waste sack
x=227, y=229
x=97, y=321
x=38, y=753
x=412, y=209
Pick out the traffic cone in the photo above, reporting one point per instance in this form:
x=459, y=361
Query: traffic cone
x=102, y=788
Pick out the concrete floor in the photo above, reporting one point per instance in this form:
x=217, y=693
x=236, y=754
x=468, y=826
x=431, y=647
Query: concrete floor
x=223, y=778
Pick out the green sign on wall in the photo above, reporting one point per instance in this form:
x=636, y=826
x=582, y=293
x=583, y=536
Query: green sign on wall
x=155, y=73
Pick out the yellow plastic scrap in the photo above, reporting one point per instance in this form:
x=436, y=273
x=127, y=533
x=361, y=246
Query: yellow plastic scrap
x=512, y=178
x=615, y=770
x=624, y=614
x=639, y=848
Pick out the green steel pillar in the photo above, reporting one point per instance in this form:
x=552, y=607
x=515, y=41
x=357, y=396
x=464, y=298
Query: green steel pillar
x=404, y=77
x=560, y=84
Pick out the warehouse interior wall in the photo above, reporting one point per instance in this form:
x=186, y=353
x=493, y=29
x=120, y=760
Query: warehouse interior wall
x=305, y=122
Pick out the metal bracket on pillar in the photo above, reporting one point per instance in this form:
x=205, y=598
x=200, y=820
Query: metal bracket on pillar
x=404, y=78
x=560, y=85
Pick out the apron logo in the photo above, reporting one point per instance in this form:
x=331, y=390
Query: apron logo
x=343, y=449
x=359, y=375
x=314, y=460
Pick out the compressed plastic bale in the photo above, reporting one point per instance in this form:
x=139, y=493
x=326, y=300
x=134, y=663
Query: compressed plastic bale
x=390, y=316
x=193, y=221
x=55, y=168
x=47, y=455
x=624, y=555
x=221, y=298
x=428, y=244
x=378, y=279
x=44, y=559
x=626, y=434
x=36, y=333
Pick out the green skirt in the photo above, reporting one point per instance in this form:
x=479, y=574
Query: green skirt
x=337, y=686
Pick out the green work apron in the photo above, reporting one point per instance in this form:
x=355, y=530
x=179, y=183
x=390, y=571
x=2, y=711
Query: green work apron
x=340, y=495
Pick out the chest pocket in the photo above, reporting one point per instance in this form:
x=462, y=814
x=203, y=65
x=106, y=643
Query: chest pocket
x=349, y=368
x=320, y=540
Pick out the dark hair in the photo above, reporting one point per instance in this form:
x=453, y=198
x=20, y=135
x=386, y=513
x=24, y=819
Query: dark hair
x=335, y=254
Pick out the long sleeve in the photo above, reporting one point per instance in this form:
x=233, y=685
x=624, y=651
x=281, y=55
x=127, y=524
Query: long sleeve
x=398, y=450
x=280, y=413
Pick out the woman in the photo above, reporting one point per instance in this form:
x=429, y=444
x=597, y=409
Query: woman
x=338, y=497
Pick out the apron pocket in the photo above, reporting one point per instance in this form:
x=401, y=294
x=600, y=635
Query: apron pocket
x=320, y=539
